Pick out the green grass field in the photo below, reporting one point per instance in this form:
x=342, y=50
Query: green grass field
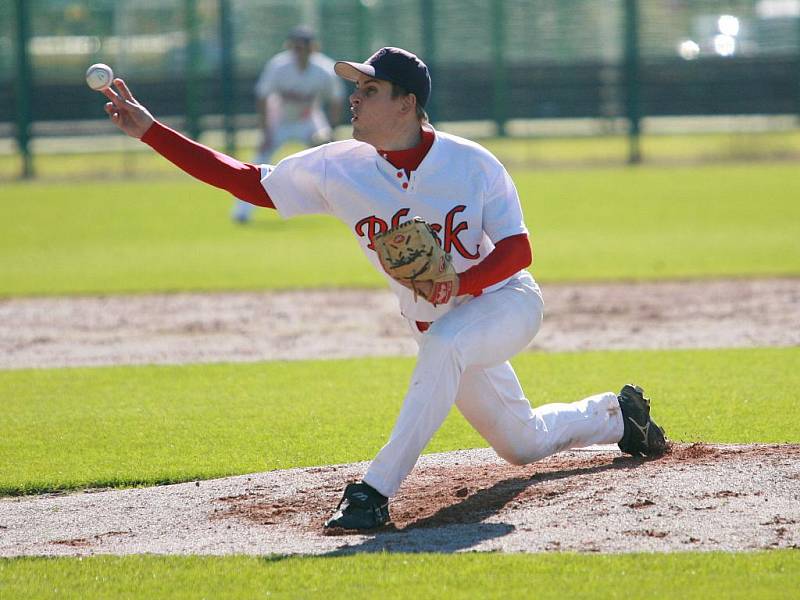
x=147, y=425
x=643, y=223
x=763, y=575
x=122, y=426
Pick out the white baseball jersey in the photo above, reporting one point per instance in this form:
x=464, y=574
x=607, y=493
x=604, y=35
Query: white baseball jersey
x=460, y=188
x=296, y=95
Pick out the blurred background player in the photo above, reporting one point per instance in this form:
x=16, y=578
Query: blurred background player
x=299, y=98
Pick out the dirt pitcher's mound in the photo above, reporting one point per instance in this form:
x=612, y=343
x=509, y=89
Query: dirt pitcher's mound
x=698, y=497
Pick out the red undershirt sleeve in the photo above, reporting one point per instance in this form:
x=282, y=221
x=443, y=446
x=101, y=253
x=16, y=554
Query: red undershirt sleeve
x=243, y=180
x=509, y=256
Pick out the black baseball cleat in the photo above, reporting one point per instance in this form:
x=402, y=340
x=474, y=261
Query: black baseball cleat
x=361, y=507
x=642, y=436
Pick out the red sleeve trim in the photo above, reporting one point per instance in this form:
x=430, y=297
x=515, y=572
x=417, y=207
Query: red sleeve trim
x=243, y=180
x=509, y=256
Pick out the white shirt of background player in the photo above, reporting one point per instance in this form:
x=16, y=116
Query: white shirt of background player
x=296, y=95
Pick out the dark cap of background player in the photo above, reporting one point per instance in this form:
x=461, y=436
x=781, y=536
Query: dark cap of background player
x=302, y=33
x=395, y=65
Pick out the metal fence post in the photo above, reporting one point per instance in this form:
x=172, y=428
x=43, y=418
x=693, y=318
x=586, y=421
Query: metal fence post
x=429, y=51
x=797, y=72
x=227, y=78
x=499, y=65
x=192, y=72
x=23, y=87
x=363, y=30
x=631, y=79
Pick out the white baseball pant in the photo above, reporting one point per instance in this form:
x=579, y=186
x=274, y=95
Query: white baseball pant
x=463, y=360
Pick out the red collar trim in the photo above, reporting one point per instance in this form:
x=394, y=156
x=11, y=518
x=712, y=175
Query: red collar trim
x=410, y=159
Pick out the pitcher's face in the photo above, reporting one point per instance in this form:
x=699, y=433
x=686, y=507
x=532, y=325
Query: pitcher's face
x=376, y=116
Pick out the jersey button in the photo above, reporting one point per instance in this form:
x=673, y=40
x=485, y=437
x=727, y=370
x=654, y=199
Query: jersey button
x=405, y=185
x=399, y=174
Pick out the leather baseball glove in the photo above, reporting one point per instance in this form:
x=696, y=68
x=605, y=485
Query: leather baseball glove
x=412, y=256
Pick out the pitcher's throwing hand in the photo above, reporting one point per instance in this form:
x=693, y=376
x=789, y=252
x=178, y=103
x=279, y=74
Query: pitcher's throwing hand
x=125, y=111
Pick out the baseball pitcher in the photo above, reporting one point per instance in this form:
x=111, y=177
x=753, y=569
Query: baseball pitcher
x=440, y=217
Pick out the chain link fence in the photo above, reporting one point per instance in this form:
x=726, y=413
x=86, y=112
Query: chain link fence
x=516, y=66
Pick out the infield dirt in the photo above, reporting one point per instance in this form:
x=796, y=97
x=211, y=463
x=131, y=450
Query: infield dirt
x=698, y=497
x=253, y=326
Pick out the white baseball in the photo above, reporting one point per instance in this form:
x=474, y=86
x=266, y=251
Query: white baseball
x=99, y=76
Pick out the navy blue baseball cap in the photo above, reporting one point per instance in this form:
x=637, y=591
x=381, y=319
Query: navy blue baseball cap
x=395, y=65
x=301, y=33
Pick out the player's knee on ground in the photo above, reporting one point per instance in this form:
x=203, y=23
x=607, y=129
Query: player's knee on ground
x=519, y=456
x=520, y=447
